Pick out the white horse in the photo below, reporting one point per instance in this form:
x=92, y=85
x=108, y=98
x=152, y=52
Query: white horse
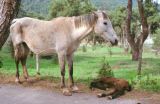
x=61, y=35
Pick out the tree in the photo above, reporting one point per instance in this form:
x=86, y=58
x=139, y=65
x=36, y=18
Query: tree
x=70, y=7
x=118, y=20
x=144, y=33
x=136, y=43
x=151, y=11
x=23, y=13
x=8, y=10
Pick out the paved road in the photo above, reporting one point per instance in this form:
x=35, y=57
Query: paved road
x=11, y=94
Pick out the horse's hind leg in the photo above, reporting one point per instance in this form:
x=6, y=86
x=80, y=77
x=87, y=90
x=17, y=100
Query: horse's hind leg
x=23, y=59
x=21, y=52
x=116, y=94
x=17, y=70
x=17, y=64
x=25, y=72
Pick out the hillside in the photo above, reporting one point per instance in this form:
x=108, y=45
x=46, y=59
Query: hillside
x=41, y=7
x=110, y=4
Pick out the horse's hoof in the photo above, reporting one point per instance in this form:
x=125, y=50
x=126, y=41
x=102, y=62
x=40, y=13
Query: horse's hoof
x=66, y=92
x=100, y=95
x=17, y=80
x=110, y=97
x=75, y=89
x=27, y=79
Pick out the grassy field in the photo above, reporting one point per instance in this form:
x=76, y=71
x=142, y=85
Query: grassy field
x=87, y=65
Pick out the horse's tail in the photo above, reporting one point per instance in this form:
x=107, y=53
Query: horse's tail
x=21, y=51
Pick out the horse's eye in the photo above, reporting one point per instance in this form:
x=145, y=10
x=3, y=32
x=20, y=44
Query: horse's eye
x=105, y=23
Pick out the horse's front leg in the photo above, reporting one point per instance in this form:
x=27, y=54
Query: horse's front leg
x=70, y=67
x=61, y=58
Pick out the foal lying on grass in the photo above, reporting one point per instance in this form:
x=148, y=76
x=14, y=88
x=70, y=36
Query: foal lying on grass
x=116, y=87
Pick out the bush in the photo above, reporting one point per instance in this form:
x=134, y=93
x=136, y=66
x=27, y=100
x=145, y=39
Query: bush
x=105, y=70
x=156, y=40
x=149, y=82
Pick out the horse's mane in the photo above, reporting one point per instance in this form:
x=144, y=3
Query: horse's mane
x=85, y=20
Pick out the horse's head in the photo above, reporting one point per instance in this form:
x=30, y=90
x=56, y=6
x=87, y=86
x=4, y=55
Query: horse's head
x=104, y=28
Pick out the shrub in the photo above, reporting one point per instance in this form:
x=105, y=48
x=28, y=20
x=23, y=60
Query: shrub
x=148, y=82
x=105, y=70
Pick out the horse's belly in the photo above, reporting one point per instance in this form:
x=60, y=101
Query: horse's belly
x=47, y=52
x=42, y=49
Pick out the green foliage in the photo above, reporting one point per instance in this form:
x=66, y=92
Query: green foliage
x=111, y=4
x=41, y=7
x=156, y=39
x=150, y=8
x=105, y=70
x=118, y=19
x=148, y=82
x=151, y=11
x=36, y=7
x=118, y=16
x=70, y=7
x=23, y=13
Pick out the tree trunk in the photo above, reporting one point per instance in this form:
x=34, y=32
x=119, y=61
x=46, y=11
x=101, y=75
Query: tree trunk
x=144, y=33
x=8, y=10
x=135, y=54
x=136, y=44
x=130, y=37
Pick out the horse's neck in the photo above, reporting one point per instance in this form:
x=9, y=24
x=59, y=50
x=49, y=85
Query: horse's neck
x=81, y=32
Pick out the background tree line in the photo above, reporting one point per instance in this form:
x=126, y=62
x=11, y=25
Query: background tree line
x=41, y=7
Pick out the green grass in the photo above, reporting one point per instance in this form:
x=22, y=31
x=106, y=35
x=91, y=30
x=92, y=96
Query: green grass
x=87, y=65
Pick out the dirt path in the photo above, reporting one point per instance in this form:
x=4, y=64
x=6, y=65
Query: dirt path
x=16, y=94
x=46, y=91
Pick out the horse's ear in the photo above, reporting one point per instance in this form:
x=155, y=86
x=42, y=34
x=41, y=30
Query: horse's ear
x=104, y=14
x=95, y=14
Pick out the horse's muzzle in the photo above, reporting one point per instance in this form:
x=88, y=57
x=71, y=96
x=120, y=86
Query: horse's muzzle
x=115, y=42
